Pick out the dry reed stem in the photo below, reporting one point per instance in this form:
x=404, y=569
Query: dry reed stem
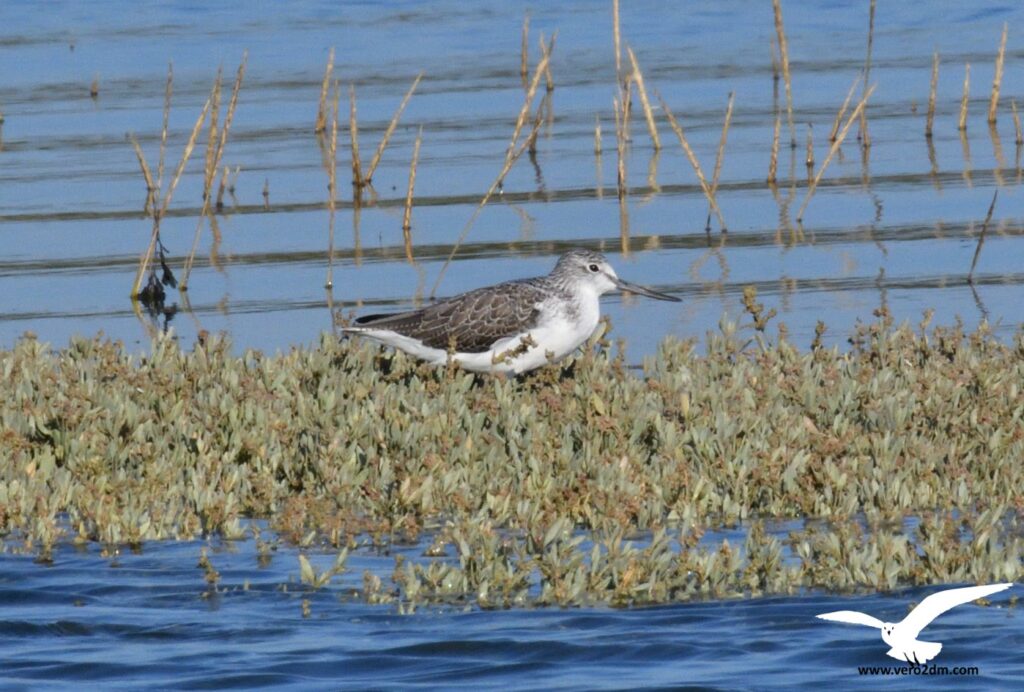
x=627, y=105
x=780, y=33
x=773, y=162
x=809, y=158
x=214, y=153
x=775, y=60
x=720, y=155
x=159, y=214
x=616, y=39
x=620, y=149
x=962, y=123
x=510, y=153
x=1016, y=123
x=842, y=111
x=538, y=120
x=638, y=77
x=391, y=129
x=993, y=101
x=693, y=162
x=597, y=134
x=168, y=90
x=407, y=217
x=832, y=151
x=981, y=238
x=230, y=116
x=210, y=166
x=932, y=93
x=221, y=187
x=150, y=187
x=321, y=113
x=544, y=50
x=511, y=156
x=94, y=88
x=863, y=135
x=209, y=172
x=332, y=183
x=353, y=129
x=524, y=61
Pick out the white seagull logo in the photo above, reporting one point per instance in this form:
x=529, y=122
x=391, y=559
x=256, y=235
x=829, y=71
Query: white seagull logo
x=902, y=636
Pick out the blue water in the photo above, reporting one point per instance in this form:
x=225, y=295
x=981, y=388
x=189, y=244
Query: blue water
x=887, y=230
x=150, y=620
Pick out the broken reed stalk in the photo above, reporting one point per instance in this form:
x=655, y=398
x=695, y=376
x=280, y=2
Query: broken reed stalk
x=158, y=214
x=865, y=138
x=993, y=101
x=780, y=33
x=720, y=156
x=832, y=151
x=962, y=123
x=407, y=217
x=981, y=238
x=932, y=92
x=511, y=156
x=524, y=64
x=842, y=111
x=773, y=162
x=94, y=88
x=390, y=130
x=597, y=134
x=321, y=113
x=1016, y=124
x=353, y=129
x=214, y=154
x=693, y=162
x=544, y=50
x=616, y=39
x=638, y=77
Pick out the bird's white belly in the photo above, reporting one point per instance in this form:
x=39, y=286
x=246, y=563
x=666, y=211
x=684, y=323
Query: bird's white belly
x=552, y=341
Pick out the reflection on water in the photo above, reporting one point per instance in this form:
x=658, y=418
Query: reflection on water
x=890, y=222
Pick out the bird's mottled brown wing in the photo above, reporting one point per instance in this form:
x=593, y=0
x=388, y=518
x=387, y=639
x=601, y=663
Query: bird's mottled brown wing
x=475, y=319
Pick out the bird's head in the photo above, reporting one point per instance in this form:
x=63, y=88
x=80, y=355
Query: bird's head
x=591, y=269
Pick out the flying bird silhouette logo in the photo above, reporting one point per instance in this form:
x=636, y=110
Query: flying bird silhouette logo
x=902, y=636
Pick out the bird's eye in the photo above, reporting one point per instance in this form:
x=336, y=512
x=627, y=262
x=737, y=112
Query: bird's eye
x=593, y=267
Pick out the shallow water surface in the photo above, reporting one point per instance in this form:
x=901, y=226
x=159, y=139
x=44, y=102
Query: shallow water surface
x=150, y=620
x=895, y=227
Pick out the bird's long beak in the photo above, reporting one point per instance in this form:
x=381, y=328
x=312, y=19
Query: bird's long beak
x=640, y=290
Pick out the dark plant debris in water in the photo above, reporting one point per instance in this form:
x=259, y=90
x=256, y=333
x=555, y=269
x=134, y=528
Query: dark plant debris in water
x=903, y=454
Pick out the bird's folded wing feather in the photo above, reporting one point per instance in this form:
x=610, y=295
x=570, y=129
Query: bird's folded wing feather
x=852, y=617
x=475, y=320
x=938, y=603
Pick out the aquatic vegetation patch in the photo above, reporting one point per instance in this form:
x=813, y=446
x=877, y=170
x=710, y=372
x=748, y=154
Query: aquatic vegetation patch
x=903, y=454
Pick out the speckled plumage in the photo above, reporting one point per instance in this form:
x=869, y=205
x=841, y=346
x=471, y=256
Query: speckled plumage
x=509, y=327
